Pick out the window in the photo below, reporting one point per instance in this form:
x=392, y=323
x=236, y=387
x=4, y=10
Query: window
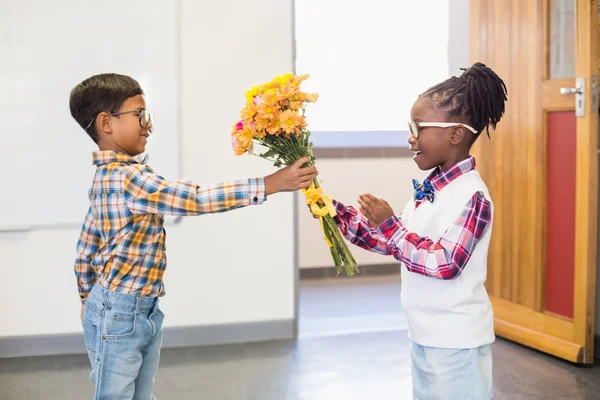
x=369, y=61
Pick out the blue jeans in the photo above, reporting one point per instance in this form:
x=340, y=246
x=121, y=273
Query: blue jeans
x=451, y=374
x=123, y=335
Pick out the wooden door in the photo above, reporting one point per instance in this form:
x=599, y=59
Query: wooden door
x=541, y=167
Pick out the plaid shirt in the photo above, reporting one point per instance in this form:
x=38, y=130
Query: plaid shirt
x=450, y=253
x=122, y=242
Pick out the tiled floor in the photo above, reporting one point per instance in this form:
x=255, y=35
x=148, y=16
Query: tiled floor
x=335, y=358
x=350, y=305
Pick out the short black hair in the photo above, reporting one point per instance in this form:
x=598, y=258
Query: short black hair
x=477, y=97
x=100, y=93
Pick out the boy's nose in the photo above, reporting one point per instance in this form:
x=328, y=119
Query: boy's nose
x=411, y=139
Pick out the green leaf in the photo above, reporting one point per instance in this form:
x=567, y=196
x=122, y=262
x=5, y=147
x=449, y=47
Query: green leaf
x=271, y=153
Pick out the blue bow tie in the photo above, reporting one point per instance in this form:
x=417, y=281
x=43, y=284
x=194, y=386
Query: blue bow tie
x=424, y=190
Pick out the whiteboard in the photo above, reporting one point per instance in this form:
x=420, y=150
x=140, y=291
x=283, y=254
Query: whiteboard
x=48, y=47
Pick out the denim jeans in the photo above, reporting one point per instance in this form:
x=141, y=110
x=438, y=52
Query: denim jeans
x=451, y=374
x=123, y=335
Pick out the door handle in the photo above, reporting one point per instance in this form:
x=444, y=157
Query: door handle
x=572, y=90
x=579, y=92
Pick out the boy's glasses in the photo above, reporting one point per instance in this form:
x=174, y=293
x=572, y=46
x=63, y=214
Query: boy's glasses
x=144, y=117
x=414, y=127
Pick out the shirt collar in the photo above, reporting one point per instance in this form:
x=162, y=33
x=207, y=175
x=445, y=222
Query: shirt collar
x=440, y=179
x=109, y=156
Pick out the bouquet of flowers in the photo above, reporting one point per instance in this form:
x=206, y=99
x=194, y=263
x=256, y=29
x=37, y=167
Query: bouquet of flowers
x=274, y=119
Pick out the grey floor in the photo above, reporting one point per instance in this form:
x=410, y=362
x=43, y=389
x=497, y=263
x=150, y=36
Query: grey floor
x=352, y=345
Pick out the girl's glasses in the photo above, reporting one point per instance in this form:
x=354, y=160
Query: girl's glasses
x=414, y=127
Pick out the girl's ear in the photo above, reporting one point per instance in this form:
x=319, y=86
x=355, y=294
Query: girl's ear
x=458, y=135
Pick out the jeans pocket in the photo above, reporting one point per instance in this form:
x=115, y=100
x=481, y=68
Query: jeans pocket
x=121, y=326
x=90, y=335
x=159, y=318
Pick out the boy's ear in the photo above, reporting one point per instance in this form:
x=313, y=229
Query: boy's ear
x=104, y=123
x=458, y=135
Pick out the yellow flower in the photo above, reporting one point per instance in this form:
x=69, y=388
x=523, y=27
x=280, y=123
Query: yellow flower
x=292, y=123
x=252, y=93
x=281, y=80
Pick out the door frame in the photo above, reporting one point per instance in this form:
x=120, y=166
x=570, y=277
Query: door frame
x=570, y=339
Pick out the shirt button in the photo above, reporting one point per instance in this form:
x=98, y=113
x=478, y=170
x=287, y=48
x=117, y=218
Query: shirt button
x=255, y=199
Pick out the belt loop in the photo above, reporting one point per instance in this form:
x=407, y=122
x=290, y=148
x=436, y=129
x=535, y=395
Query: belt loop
x=106, y=299
x=138, y=301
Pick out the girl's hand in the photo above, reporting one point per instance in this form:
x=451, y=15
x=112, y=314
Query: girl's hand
x=376, y=210
x=320, y=203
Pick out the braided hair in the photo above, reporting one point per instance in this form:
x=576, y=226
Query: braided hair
x=476, y=97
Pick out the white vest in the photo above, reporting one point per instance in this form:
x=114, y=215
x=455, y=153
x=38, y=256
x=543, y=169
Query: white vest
x=457, y=313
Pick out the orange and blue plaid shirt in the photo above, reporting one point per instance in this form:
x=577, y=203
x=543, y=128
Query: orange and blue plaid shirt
x=122, y=242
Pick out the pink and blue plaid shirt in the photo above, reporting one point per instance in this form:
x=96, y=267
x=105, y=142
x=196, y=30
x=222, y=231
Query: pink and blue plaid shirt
x=392, y=238
x=122, y=242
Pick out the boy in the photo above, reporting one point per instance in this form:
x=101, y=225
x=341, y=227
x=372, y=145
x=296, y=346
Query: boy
x=442, y=238
x=121, y=250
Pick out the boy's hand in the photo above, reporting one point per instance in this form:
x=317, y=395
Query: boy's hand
x=376, y=210
x=291, y=178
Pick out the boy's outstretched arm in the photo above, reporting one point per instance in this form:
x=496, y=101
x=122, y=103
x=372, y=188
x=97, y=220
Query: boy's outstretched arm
x=445, y=258
x=148, y=193
x=88, y=244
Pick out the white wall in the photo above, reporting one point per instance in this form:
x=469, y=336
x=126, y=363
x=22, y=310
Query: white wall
x=381, y=60
x=459, y=55
x=235, y=267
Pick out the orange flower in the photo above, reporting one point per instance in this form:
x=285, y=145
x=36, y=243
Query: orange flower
x=286, y=92
x=258, y=133
x=262, y=123
x=248, y=132
x=242, y=140
x=274, y=127
x=311, y=97
x=238, y=147
x=292, y=123
x=267, y=110
x=307, y=97
x=249, y=112
x=295, y=105
x=268, y=95
x=298, y=79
